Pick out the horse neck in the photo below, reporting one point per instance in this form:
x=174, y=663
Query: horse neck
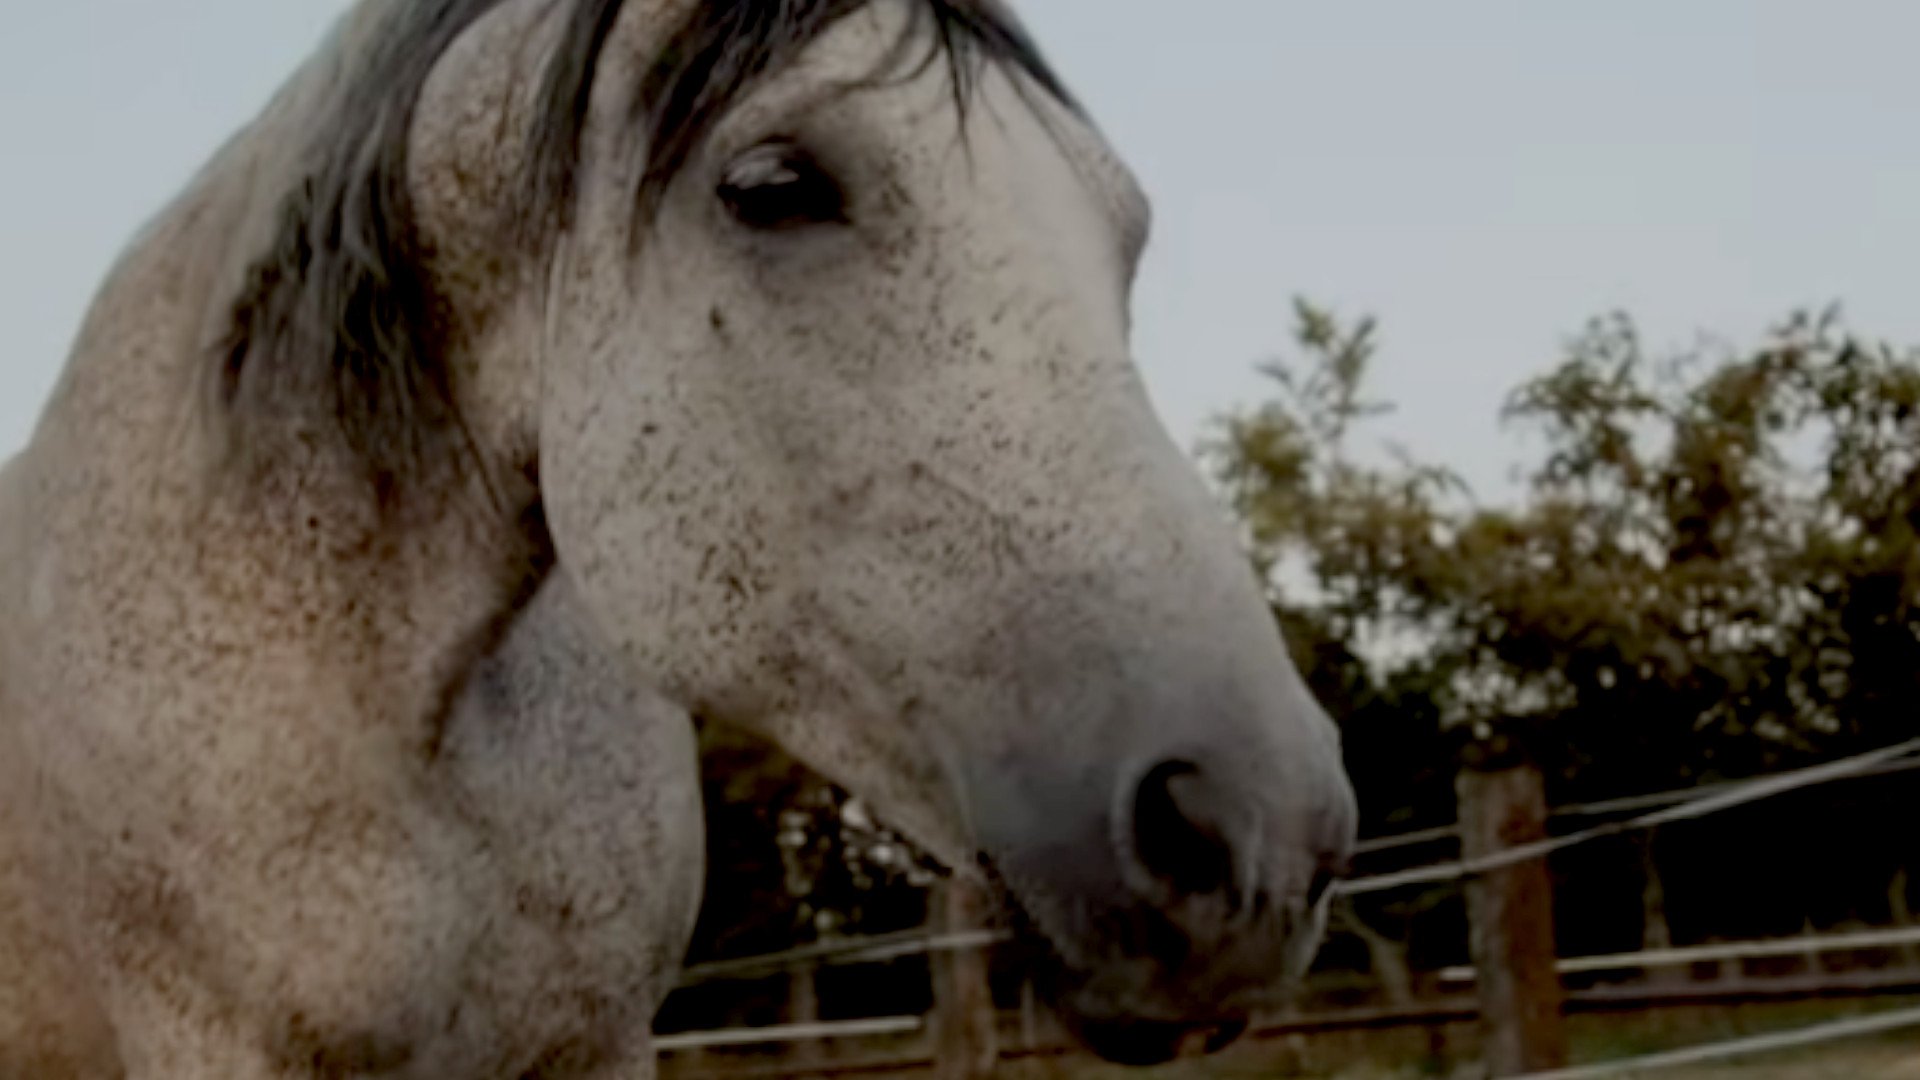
x=139, y=360
x=130, y=456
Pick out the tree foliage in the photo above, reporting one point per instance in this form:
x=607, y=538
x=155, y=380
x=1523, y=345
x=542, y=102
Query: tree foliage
x=1712, y=567
x=793, y=858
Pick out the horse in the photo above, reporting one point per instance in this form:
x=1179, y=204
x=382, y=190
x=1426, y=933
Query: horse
x=531, y=379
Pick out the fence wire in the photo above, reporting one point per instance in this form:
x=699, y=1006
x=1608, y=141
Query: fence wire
x=1677, y=806
x=1714, y=801
x=1816, y=1035
x=1674, y=807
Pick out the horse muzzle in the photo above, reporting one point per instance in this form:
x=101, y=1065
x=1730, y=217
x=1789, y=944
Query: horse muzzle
x=1194, y=900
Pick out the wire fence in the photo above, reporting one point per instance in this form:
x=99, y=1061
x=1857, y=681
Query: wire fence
x=1815, y=1035
x=1429, y=1013
x=878, y=948
x=1722, y=952
x=1665, y=808
x=1714, y=800
x=1601, y=808
x=867, y=1027
x=1647, y=959
x=1682, y=805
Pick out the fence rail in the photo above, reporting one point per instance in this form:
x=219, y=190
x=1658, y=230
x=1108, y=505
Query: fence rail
x=1602, y=808
x=1816, y=1035
x=878, y=948
x=1457, y=1008
x=1465, y=1006
x=1712, y=801
x=1805, y=945
x=1678, y=805
x=1668, y=807
x=867, y=1027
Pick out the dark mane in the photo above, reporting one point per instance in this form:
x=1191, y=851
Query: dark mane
x=339, y=326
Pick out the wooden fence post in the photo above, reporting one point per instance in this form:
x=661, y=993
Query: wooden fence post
x=1656, y=933
x=803, y=1007
x=1902, y=913
x=1503, y=804
x=965, y=1042
x=1029, y=1016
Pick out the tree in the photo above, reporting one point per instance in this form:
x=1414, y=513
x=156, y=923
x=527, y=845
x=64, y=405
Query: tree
x=1712, y=570
x=792, y=858
x=1714, y=566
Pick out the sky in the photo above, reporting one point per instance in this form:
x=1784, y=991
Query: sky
x=1482, y=175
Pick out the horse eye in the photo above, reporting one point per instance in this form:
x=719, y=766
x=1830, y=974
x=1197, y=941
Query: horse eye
x=780, y=186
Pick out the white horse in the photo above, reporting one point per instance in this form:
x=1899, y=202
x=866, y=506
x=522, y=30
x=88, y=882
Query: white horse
x=532, y=376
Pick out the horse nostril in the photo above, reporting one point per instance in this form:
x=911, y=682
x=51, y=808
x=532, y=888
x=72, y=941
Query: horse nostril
x=1177, y=832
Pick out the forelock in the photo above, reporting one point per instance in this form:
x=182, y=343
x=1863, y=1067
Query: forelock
x=338, y=322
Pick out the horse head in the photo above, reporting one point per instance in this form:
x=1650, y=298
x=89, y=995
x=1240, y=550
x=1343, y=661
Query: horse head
x=799, y=329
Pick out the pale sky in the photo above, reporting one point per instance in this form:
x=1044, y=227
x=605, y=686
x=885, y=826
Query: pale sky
x=1484, y=175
